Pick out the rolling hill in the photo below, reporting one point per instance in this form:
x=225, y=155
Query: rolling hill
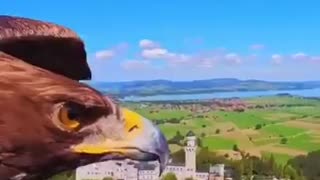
x=152, y=87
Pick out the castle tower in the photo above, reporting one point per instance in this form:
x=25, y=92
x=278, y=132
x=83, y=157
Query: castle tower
x=216, y=172
x=190, y=154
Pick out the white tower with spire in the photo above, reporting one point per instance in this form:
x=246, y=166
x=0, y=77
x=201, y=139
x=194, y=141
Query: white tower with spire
x=190, y=155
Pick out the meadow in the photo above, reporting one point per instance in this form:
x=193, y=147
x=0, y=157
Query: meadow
x=284, y=126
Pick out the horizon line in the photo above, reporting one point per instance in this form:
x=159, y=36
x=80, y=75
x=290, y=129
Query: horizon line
x=191, y=80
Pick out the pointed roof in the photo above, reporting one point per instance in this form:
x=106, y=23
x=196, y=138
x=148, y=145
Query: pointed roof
x=190, y=134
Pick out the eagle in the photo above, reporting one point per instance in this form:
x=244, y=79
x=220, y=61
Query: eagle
x=50, y=120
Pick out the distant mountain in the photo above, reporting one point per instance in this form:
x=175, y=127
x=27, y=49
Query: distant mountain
x=152, y=87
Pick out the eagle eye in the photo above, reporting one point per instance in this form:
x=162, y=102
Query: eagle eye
x=73, y=116
x=69, y=117
x=73, y=113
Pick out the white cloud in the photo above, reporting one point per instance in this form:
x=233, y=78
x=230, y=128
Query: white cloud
x=306, y=58
x=202, y=59
x=178, y=58
x=233, y=58
x=121, y=47
x=156, y=53
x=112, y=52
x=257, y=46
x=105, y=54
x=148, y=44
x=135, y=64
x=276, y=59
x=315, y=58
x=206, y=63
x=152, y=50
x=198, y=64
x=300, y=56
x=252, y=57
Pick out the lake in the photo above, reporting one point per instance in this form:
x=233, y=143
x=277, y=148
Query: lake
x=244, y=94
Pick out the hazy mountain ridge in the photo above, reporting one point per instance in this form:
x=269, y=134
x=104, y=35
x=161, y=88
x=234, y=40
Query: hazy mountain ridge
x=196, y=86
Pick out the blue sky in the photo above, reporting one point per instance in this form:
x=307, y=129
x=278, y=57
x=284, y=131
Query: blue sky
x=185, y=40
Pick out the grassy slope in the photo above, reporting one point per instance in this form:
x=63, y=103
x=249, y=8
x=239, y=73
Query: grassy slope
x=279, y=157
x=303, y=142
x=265, y=140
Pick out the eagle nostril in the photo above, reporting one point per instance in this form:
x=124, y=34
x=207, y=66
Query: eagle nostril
x=133, y=128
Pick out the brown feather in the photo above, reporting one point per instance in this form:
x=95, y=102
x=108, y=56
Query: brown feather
x=46, y=45
x=18, y=27
x=29, y=140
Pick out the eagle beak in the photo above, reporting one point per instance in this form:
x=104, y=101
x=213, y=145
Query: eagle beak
x=143, y=142
x=153, y=144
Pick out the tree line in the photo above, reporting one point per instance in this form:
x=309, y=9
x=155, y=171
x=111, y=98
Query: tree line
x=248, y=168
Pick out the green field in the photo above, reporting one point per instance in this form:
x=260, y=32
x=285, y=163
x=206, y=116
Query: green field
x=282, y=130
x=256, y=130
x=243, y=120
x=216, y=142
x=302, y=142
x=170, y=129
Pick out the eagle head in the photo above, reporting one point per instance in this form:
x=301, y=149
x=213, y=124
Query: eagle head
x=50, y=123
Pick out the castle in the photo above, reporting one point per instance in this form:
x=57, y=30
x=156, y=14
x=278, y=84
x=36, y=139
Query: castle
x=188, y=170
x=129, y=170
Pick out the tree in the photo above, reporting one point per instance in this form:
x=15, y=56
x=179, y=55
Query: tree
x=271, y=165
x=218, y=131
x=174, y=120
x=258, y=126
x=284, y=141
x=189, y=178
x=68, y=175
x=159, y=121
x=199, y=142
x=203, y=134
x=239, y=109
x=169, y=176
x=235, y=147
x=107, y=178
x=248, y=170
x=291, y=173
x=176, y=139
x=178, y=156
x=179, y=135
x=306, y=165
